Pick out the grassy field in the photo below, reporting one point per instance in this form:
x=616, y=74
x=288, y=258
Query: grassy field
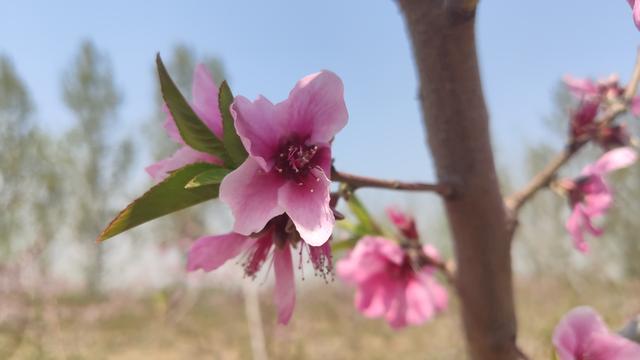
x=325, y=326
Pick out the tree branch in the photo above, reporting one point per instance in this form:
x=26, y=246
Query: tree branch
x=356, y=181
x=457, y=127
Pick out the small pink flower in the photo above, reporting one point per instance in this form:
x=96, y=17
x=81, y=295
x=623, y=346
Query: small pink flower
x=205, y=105
x=405, y=223
x=590, y=196
x=587, y=89
x=597, y=91
x=591, y=95
x=274, y=242
x=388, y=285
x=581, y=335
x=613, y=136
x=583, y=120
x=635, y=6
x=289, y=163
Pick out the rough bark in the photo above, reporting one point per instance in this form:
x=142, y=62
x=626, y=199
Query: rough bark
x=457, y=125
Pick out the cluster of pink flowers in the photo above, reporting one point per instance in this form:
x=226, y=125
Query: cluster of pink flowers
x=582, y=334
x=279, y=196
x=592, y=96
x=590, y=196
x=390, y=284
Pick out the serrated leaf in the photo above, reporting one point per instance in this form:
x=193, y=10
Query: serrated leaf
x=192, y=130
x=232, y=143
x=208, y=177
x=164, y=198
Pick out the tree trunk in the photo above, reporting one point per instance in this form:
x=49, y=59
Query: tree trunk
x=457, y=127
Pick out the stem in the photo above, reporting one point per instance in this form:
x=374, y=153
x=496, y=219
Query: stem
x=632, y=86
x=540, y=180
x=457, y=126
x=254, y=321
x=356, y=181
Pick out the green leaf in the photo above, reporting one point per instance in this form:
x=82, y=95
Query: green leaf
x=347, y=225
x=367, y=224
x=345, y=244
x=164, y=198
x=192, y=130
x=208, y=177
x=232, y=143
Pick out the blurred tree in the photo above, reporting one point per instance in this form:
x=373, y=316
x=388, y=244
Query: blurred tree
x=623, y=228
x=15, y=124
x=90, y=93
x=546, y=246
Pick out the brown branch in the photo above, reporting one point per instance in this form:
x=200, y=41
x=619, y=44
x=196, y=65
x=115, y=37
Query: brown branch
x=632, y=86
x=356, y=181
x=457, y=127
x=541, y=180
x=468, y=6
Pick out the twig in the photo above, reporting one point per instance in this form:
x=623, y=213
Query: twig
x=515, y=201
x=356, y=181
x=254, y=321
x=632, y=86
x=540, y=180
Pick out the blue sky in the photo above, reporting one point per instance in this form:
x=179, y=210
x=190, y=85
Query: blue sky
x=525, y=46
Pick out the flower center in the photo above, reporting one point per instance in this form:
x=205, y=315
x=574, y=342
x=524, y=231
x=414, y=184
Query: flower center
x=295, y=159
x=403, y=271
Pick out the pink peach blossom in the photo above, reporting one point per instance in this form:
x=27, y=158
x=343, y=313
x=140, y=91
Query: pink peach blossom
x=591, y=94
x=590, y=195
x=205, y=105
x=388, y=285
x=274, y=242
x=405, y=223
x=289, y=163
x=585, y=88
x=583, y=120
x=581, y=335
x=584, y=127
